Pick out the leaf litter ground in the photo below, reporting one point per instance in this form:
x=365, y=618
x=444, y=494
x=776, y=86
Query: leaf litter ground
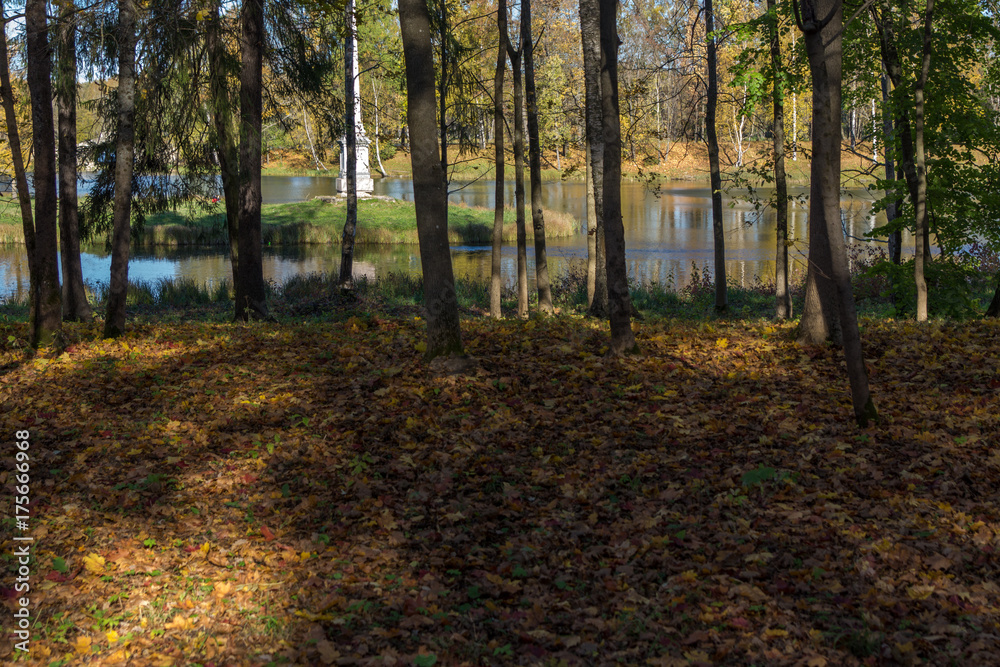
x=316, y=494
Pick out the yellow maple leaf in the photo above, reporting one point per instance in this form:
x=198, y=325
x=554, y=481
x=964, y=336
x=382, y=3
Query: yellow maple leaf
x=205, y=548
x=94, y=563
x=179, y=622
x=112, y=636
x=82, y=644
x=920, y=592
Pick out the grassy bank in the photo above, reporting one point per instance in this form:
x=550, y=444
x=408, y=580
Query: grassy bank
x=683, y=161
x=320, y=222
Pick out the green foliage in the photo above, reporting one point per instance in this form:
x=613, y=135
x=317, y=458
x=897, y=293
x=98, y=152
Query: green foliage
x=952, y=284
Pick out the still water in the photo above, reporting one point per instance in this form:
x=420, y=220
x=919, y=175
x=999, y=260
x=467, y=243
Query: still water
x=667, y=233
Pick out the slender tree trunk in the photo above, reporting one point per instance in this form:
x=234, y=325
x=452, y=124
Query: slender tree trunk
x=891, y=211
x=378, y=153
x=20, y=174
x=591, y=228
x=920, y=234
x=590, y=34
x=350, y=225
x=47, y=297
x=498, y=206
x=522, y=241
x=222, y=121
x=783, y=298
x=535, y=163
x=444, y=335
x=114, y=321
x=619, y=301
x=823, y=26
x=250, y=288
x=718, y=232
x=312, y=146
x=75, y=306
x=443, y=82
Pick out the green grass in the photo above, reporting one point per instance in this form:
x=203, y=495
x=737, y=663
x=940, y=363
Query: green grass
x=322, y=222
x=317, y=221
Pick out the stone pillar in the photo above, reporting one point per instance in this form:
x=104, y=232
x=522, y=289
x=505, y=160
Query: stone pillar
x=364, y=174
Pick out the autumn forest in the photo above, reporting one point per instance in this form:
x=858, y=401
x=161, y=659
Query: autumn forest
x=543, y=467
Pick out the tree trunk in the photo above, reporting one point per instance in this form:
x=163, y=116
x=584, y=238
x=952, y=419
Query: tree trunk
x=498, y=205
x=250, y=288
x=222, y=121
x=994, y=307
x=74, y=296
x=619, y=302
x=351, y=223
x=17, y=159
x=535, y=163
x=114, y=321
x=823, y=26
x=920, y=233
x=591, y=228
x=891, y=210
x=718, y=233
x=378, y=153
x=590, y=35
x=444, y=334
x=783, y=298
x=46, y=298
x=522, y=241
x=443, y=89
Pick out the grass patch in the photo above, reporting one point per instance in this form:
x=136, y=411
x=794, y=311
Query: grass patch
x=322, y=222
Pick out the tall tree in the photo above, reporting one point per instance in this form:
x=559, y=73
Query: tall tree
x=114, y=320
x=430, y=196
x=921, y=235
x=597, y=271
x=17, y=159
x=351, y=136
x=250, y=288
x=47, y=299
x=783, y=298
x=498, y=205
x=619, y=301
x=75, y=306
x=821, y=22
x=718, y=232
x=522, y=240
x=535, y=162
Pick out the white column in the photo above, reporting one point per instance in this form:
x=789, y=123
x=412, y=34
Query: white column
x=364, y=175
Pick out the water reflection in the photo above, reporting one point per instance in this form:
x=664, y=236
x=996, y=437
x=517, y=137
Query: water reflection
x=668, y=236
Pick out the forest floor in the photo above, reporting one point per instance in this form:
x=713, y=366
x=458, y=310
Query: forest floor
x=315, y=493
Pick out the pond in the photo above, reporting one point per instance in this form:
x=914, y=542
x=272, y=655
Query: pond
x=668, y=233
